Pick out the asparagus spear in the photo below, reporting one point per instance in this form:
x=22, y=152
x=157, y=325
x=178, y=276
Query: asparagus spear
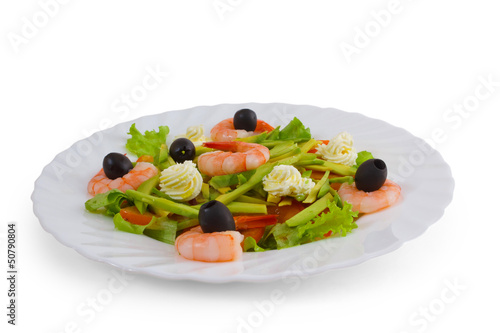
x=310, y=212
x=163, y=203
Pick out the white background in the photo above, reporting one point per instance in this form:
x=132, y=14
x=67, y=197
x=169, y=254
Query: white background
x=61, y=82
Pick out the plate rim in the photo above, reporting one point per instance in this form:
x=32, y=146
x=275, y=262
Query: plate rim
x=238, y=277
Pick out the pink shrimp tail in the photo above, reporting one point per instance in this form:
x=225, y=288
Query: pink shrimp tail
x=233, y=146
x=232, y=157
x=369, y=202
x=225, y=131
x=140, y=173
x=209, y=247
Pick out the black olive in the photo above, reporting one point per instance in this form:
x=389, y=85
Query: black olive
x=245, y=119
x=215, y=216
x=182, y=149
x=371, y=175
x=116, y=165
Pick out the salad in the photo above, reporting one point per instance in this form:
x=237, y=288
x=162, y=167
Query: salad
x=246, y=187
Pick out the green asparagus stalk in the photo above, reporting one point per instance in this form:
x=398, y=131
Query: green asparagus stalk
x=162, y=203
x=336, y=168
x=310, y=212
x=260, y=173
x=315, y=190
x=246, y=208
x=346, y=179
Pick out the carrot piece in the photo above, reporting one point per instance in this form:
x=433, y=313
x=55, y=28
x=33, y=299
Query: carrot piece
x=256, y=221
x=132, y=215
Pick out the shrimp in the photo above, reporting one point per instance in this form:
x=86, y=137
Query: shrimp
x=369, y=202
x=131, y=181
x=210, y=247
x=241, y=156
x=224, y=131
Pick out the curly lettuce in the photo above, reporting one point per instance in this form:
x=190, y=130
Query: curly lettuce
x=295, y=131
x=161, y=229
x=337, y=221
x=108, y=203
x=363, y=156
x=124, y=225
x=148, y=143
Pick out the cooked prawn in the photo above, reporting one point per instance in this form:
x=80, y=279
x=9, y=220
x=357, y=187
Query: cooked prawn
x=224, y=131
x=240, y=156
x=369, y=202
x=210, y=247
x=131, y=181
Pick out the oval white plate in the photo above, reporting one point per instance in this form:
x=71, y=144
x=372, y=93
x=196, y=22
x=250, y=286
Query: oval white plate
x=426, y=181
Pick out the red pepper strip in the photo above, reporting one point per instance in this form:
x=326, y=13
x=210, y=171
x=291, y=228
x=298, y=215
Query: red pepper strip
x=315, y=150
x=256, y=221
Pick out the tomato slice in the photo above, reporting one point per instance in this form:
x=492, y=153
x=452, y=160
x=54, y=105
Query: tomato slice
x=255, y=233
x=255, y=221
x=286, y=212
x=132, y=215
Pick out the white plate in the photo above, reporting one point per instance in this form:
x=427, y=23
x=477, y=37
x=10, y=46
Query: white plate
x=426, y=181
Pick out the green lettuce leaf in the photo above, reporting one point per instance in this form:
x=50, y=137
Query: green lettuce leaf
x=295, y=131
x=163, y=230
x=286, y=236
x=363, y=156
x=124, y=225
x=148, y=143
x=108, y=203
x=274, y=134
x=337, y=221
x=249, y=245
x=230, y=180
x=267, y=242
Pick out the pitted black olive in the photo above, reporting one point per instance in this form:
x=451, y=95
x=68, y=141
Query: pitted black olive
x=116, y=165
x=245, y=119
x=182, y=149
x=215, y=216
x=371, y=175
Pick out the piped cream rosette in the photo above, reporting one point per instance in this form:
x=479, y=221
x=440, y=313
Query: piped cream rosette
x=181, y=182
x=196, y=134
x=339, y=150
x=286, y=180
